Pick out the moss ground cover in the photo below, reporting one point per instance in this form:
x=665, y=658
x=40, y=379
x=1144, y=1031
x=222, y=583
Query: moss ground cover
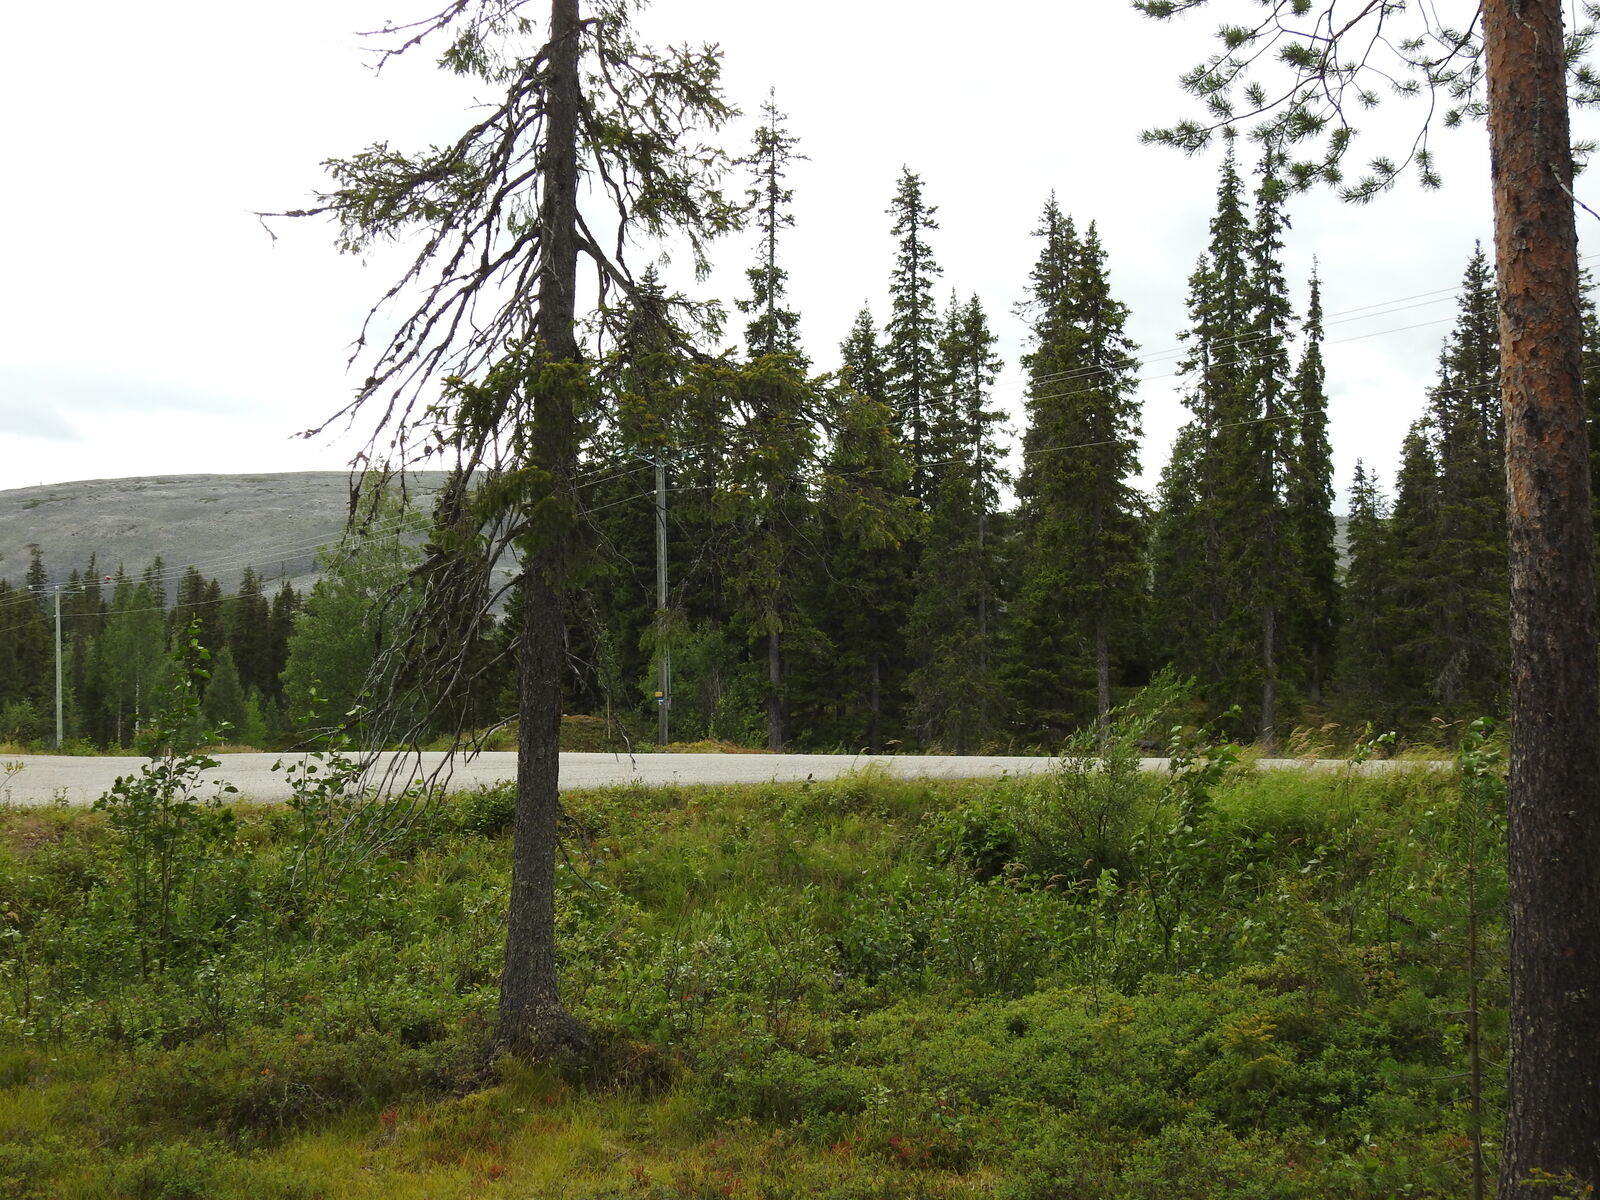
x=1081, y=984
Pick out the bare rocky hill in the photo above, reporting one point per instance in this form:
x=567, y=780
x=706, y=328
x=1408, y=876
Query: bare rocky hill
x=218, y=523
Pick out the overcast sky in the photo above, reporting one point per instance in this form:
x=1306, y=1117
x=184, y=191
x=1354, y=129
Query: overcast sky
x=150, y=325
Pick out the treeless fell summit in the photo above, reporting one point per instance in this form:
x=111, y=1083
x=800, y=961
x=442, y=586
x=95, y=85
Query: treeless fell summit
x=219, y=523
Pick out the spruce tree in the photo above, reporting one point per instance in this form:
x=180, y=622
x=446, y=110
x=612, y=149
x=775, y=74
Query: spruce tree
x=83, y=616
x=1079, y=537
x=1204, y=601
x=774, y=441
x=1470, y=567
x=912, y=352
x=1263, y=560
x=154, y=577
x=1408, y=616
x=622, y=638
x=1591, y=390
x=32, y=654
x=25, y=651
x=495, y=300
x=1313, y=598
x=1363, y=675
x=952, y=687
x=224, y=706
x=249, y=634
x=773, y=327
x=195, y=604
x=285, y=604
x=865, y=518
x=1225, y=555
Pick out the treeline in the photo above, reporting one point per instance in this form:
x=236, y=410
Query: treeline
x=850, y=564
x=277, y=666
x=118, y=634
x=849, y=570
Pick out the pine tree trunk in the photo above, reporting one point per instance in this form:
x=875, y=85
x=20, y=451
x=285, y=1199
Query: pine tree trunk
x=532, y=1018
x=1553, y=826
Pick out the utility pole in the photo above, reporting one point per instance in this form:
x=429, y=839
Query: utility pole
x=664, y=653
x=58, y=667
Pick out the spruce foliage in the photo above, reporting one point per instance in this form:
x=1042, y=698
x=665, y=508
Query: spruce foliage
x=1079, y=526
x=912, y=351
x=1220, y=556
x=1313, y=601
x=1364, y=675
x=952, y=687
x=865, y=518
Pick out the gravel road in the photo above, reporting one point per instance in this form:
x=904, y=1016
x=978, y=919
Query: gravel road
x=42, y=779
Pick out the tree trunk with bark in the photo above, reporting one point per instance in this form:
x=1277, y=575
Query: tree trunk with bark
x=1268, y=733
x=1553, y=828
x=532, y=1017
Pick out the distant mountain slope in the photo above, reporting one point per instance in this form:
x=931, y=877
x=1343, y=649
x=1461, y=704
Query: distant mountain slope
x=218, y=523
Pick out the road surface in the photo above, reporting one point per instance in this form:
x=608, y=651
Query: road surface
x=43, y=779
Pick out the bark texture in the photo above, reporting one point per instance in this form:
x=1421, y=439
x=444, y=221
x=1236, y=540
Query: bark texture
x=532, y=1017
x=1553, y=1118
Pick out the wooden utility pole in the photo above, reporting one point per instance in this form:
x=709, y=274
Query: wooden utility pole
x=59, y=728
x=663, y=651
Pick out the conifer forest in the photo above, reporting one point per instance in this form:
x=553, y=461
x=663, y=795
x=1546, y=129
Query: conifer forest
x=861, y=555
x=1189, y=957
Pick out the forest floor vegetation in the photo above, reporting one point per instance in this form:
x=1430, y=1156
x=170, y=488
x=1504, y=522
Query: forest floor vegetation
x=1088, y=983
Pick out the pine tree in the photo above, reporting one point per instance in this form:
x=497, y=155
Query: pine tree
x=1079, y=526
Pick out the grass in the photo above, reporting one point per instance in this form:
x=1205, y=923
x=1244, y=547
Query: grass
x=1077, y=984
